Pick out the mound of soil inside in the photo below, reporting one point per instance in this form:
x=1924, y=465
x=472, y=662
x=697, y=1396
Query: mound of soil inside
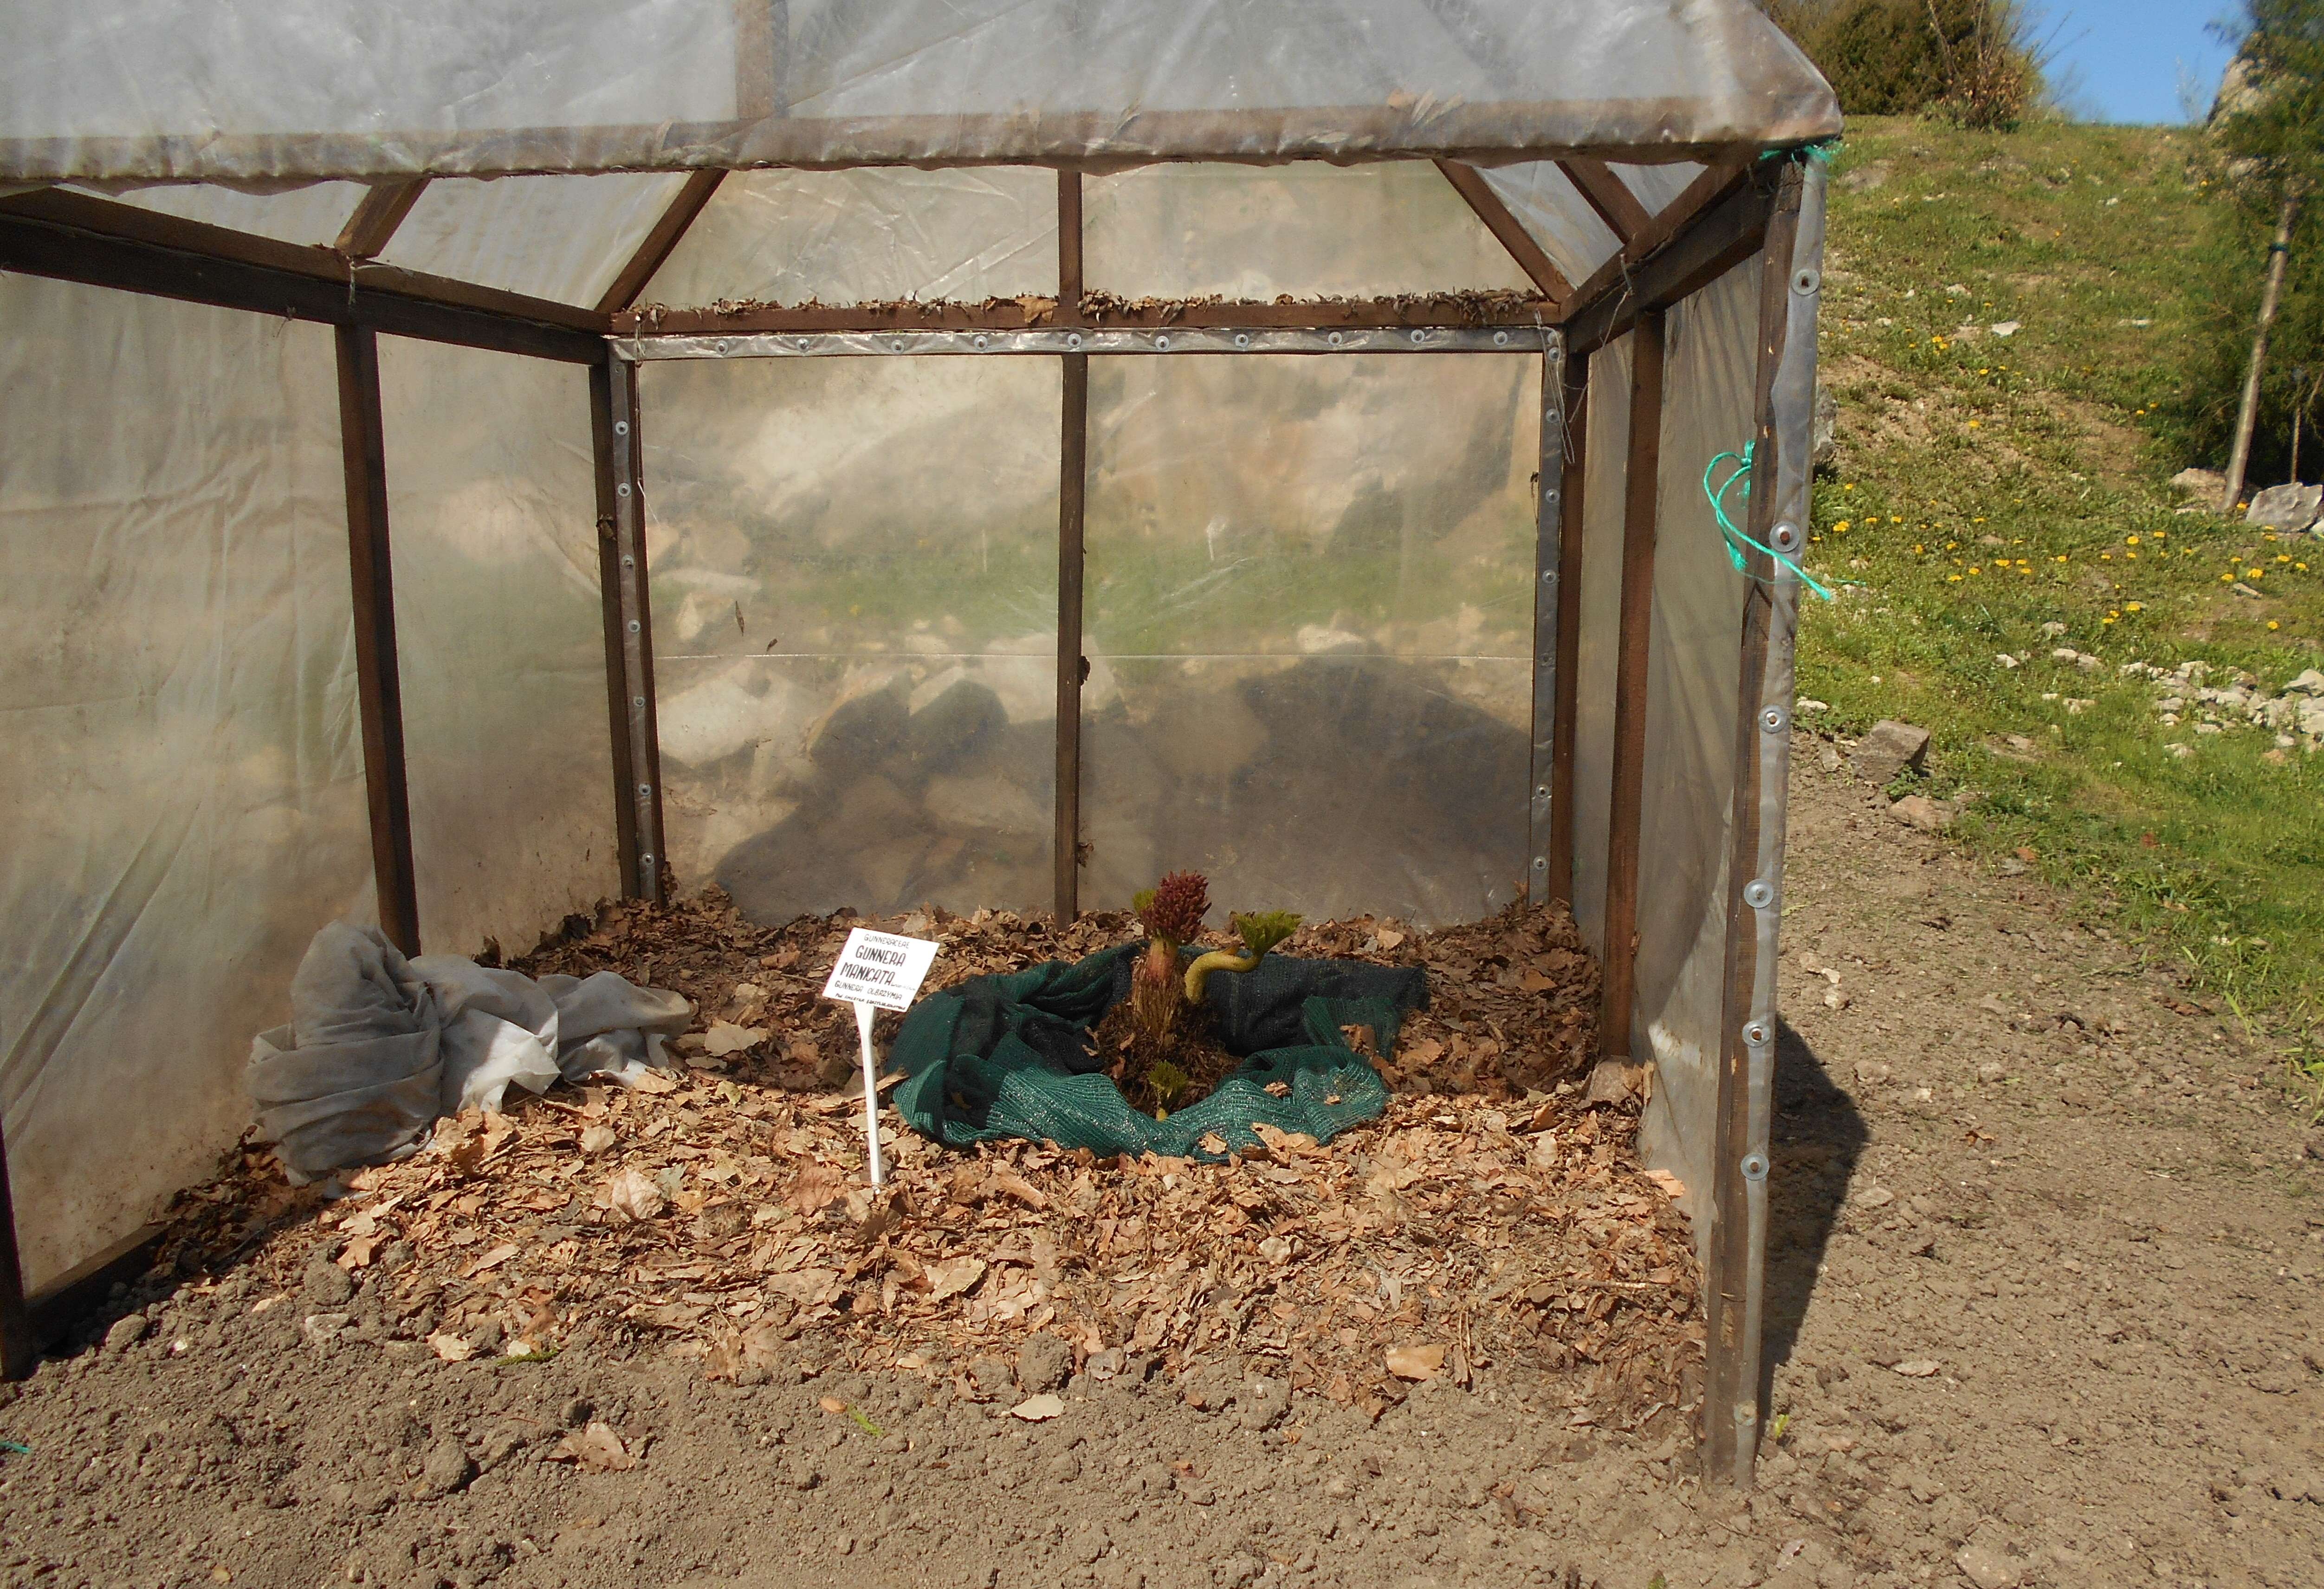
x=1176, y=1069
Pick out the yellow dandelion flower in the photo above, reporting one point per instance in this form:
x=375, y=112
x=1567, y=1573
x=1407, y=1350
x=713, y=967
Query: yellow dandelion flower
x=2301, y=566
x=2106, y=556
x=1952, y=580
x=2162, y=535
x=1847, y=488
x=1893, y=519
x=2058, y=559
x=2271, y=624
x=1842, y=525
x=2132, y=556
x=2130, y=540
x=2132, y=606
x=1918, y=550
x=2282, y=557
x=2107, y=619
x=2227, y=579
x=1972, y=424
x=1973, y=570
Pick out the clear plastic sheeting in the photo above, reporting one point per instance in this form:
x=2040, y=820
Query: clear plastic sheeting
x=332, y=87
x=493, y=509
x=1309, y=230
x=313, y=214
x=1605, y=472
x=1550, y=207
x=1694, y=677
x=854, y=574
x=1654, y=186
x=868, y=237
x=563, y=238
x=183, y=768
x=1309, y=611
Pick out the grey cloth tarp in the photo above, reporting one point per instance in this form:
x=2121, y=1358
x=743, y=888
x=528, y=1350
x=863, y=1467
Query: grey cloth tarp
x=149, y=89
x=379, y=1045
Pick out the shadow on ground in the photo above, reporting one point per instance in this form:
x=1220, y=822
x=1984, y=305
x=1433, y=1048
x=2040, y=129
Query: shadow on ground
x=1817, y=1136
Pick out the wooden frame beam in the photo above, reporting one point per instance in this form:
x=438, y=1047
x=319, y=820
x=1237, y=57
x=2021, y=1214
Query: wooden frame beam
x=1736, y=1378
x=1554, y=523
x=372, y=225
x=1633, y=653
x=74, y=237
x=1073, y=484
x=1566, y=670
x=1417, y=313
x=662, y=241
x=629, y=616
x=379, y=691
x=1690, y=241
x=1506, y=230
x=1609, y=195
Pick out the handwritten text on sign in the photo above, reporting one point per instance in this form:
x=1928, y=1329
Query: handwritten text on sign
x=880, y=969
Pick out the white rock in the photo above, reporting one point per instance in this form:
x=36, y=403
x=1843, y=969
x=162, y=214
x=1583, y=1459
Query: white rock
x=2310, y=682
x=2006, y=659
x=2003, y=328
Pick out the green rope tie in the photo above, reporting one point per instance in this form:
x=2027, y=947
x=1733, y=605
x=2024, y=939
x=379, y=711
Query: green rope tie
x=1736, y=538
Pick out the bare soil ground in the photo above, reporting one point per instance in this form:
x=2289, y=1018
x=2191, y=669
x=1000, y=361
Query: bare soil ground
x=2044, y=1305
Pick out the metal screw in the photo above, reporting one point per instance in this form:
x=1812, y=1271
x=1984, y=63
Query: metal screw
x=1550, y=494
x=1162, y=344
x=897, y=346
x=1540, y=863
x=1242, y=339
x=633, y=626
x=1772, y=719
x=807, y=345
x=1806, y=281
x=622, y=489
x=1072, y=339
x=1500, y=339
x=1549, y=577
x=981, y=343
x=1758, y=893
x=645, y=860
x=1418, y=337
x=1755, y=1166
x=628, y=561
x=1556, y=353
x=1334, y=339
x=639, y=702
x=1746, y=1414
x=1754, y=1033
x=621, y=427
x=1785, y=537
x=645, y=791
x=1541, y=792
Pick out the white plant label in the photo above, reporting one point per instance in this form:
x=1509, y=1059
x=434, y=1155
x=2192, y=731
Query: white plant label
x=876, y=970
x=880, y=969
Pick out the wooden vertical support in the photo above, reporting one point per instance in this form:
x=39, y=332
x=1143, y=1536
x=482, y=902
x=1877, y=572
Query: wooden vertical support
x=1568, y=657
x=1550, y=529
x=632, y=616
x=362, y=447
x=1782, y=452
x=1634, y=649
x=16, y=1347
x=620, y=700
x=1073, y=460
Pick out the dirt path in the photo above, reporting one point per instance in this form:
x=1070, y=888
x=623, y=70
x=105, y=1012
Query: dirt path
x=2044, y=1310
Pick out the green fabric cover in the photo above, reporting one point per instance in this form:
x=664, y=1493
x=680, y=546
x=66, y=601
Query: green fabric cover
x=1004, y=1056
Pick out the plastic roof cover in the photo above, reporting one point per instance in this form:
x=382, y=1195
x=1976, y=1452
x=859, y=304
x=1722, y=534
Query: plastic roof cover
x=307, y=88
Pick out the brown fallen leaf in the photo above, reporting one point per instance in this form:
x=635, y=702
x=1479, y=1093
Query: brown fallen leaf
x=634, y=1195
x=952, y=1276
x=1415, y=1362
x=492, y=1260
x=652, y=1081
x=596, y=1448
x=450, y=1348
x=1669, y=1184
x=1018, y=1188
x=1919, y=1368
x=831, y=1404
x=596, y=1139
x=1035, y=1409
x=818, y=1187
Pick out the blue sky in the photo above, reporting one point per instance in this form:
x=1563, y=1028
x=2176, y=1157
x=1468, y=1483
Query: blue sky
x=2125, y=60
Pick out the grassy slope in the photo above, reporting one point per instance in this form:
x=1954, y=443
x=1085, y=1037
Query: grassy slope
x=1987, y=486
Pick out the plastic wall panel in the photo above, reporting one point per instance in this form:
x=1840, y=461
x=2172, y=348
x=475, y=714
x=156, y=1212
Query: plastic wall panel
x=854, y=571
x=1605, y=456
x=1655, y=186
x=1692, y=701
x=493, y=516
x=312, y=214
x=180, y=769
x=1309, y=611
x=1307, y=229
x=868, y=237
x=564, y=238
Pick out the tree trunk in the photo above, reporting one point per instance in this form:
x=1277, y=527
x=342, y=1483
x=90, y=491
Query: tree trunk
x=2248, y=415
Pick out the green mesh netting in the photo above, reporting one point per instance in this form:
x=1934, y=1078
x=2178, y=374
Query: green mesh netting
x=1004, y=1056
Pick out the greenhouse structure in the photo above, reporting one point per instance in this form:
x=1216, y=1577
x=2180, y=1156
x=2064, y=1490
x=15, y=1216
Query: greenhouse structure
x=467, y=462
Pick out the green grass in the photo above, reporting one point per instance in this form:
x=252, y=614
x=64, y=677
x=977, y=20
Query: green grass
x=1989, y=485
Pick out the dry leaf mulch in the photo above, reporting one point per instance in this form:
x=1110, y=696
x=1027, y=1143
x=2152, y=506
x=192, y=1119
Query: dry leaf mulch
x=721, y=1212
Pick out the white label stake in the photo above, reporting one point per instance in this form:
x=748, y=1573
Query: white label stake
x=876, y=970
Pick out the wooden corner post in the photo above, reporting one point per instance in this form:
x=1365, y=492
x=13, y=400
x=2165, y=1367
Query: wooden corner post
x=1072, y=471
x=1634, y=649
x=1791, y=280
x=379, y=692
x=629, y=629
